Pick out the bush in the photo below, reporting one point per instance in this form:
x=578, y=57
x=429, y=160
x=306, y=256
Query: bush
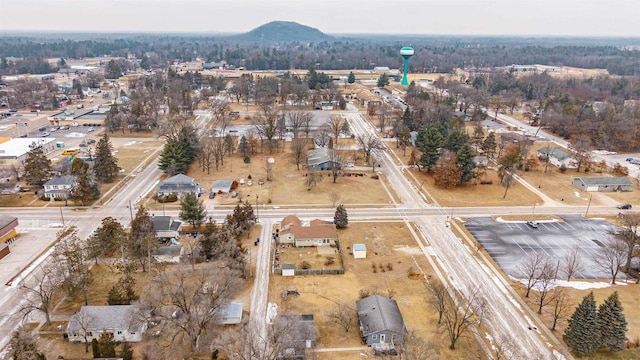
x=305, y=265
x=246, y=159
x=563, y=168
x=330, y=261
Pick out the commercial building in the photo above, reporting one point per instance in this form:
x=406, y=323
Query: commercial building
x=14, y=152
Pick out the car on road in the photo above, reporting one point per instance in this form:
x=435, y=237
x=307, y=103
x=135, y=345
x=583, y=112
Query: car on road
x=90, y=130
x=624, y=206
x=45, y=134
x=64, y=128
x=13, y=110
x=42, y=129
x=91, y=141
x=629, y=159
x=533, y=224
x=212, y=195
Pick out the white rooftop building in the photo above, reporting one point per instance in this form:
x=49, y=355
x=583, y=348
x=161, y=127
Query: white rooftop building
x=14, y=151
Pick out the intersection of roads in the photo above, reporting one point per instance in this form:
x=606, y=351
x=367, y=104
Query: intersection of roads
x=458, y=265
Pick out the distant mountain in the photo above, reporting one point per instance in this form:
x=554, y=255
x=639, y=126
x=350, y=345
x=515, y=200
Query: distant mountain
x=284, y=31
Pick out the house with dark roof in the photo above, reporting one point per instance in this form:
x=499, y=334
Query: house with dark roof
x=166, y=228
x=59, y=187
x=178, y=185
x=316, y=233
x=381, y=323
x=556, y=156
x=602, y=183
x=127, y=323
x=321, y=159
x=298, y=336
x=7, y=188
x=168, y=254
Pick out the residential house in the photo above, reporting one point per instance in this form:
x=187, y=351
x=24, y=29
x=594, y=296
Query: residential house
x=127, y=323
x=380, y=321
x=221, y=186
x=298, y=335
x=7, y=188
x=602, y=183
x=166, y=228
x=322, y=159
x=59, y=187
x=231, y=314
x=316, y=233
x=556, y=156
x=178, y=185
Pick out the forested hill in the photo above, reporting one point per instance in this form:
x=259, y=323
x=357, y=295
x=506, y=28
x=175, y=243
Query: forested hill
x=284, y=31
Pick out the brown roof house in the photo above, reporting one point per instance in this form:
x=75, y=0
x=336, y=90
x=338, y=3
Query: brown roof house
x=316, y=233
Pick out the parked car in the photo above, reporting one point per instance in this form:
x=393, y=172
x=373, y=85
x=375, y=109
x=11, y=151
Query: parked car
x=628, y=159
x=45, y=134
x=13, y=110
x=42, y=129
x=624, y=206
x=533, y=224
x=212, y=195
x=90, y=130
x=91, y=141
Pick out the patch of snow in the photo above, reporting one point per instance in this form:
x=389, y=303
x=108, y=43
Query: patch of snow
x=580, y=285
x=577, y=194
x=558, y=355
x=130, y=143
x=74, y=135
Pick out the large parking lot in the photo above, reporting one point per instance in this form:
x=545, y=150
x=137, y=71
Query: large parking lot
x=508, y=243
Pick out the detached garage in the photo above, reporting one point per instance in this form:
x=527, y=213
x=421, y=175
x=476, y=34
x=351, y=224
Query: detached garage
x=288, y=269
x=602, y=183
x=359, y=251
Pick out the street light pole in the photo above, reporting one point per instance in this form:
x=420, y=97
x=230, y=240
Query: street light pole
x=533, y=211
x=257, y=209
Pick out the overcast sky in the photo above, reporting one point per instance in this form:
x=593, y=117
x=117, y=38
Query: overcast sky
x=467, y=17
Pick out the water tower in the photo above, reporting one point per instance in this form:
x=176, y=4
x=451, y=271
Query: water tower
x=406, y=53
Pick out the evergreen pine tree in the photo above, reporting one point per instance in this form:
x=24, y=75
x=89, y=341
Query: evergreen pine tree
x=85, y=189
x=126, y=353
x=244, y=148
x=583, y=333
x=613, y=325
x=105, y=164
x=352, y=78
x=107, y=345
x=465, y=163
x=489, y=144
x=192, y=209
x=36, y=166
x=429, y=142
x=341, y=219
x=94, y=348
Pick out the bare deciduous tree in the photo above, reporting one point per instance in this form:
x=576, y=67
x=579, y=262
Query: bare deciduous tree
x=322, y=136
x=369, y=143
x=502, y=348
x=416, y=348
x=47, y=279
x=190, y=301
x=546, y=282
x=297, y=120
x=254, y=344
x=334, y=197
x=298, y=151
x=266, y=124
x=338, y=125
x=342, y=315
x=438, y=299
x=561, y=306
x=573, y=263
x=629, y=234
x=612, y=256
x=530, y=269
x=313, y=178
x=461, y=314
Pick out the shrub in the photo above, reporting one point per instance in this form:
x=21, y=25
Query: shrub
x=389, y=267
x=305, y=265
x=246, y=159
x=330, y=261
x=563, y=168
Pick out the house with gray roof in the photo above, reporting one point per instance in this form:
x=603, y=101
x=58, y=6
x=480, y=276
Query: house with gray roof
x=166, y=228
x=221, y=186
x=127, y=323
x=602, y=183
x=59, y=187
x=298, y=336
x=178, y=185
x=231, y=314
x=556, y=156
x=381, y=323
x=322, y=159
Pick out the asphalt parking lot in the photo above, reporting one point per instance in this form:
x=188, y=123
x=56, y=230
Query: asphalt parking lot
x=508, y=243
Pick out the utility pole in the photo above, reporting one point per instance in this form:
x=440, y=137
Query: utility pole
x=61, y=216
x=130, y=211
x=588, y=205
x=257, y=209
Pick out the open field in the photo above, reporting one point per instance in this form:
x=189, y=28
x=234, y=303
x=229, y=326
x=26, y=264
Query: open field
x=392, y=251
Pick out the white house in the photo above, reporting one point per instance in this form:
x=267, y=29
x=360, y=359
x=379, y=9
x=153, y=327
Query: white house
x=59, y=186
x=288, y=270
x=127, y=323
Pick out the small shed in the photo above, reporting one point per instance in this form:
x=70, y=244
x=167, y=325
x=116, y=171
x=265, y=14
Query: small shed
x=359, y=251
x=288, y=269
x=232, y=314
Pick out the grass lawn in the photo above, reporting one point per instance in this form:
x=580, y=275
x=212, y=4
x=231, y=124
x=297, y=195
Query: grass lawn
x=392, y=250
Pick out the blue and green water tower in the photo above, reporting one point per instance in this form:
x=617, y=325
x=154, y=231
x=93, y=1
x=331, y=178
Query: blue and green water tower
x=406, y=53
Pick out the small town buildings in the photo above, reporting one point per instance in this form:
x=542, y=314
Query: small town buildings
x=317, y=233
x=231, y=314
x=221, y=186
x=166, y=228
x=13, y=152
x=602, y=183
x=298, y=335
x=359, y=251
x=178, y=185
x=7, y=188
x=381, y=322
x=59, y=187
x=127, y=323
x=322, y=159
x=556, y=156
